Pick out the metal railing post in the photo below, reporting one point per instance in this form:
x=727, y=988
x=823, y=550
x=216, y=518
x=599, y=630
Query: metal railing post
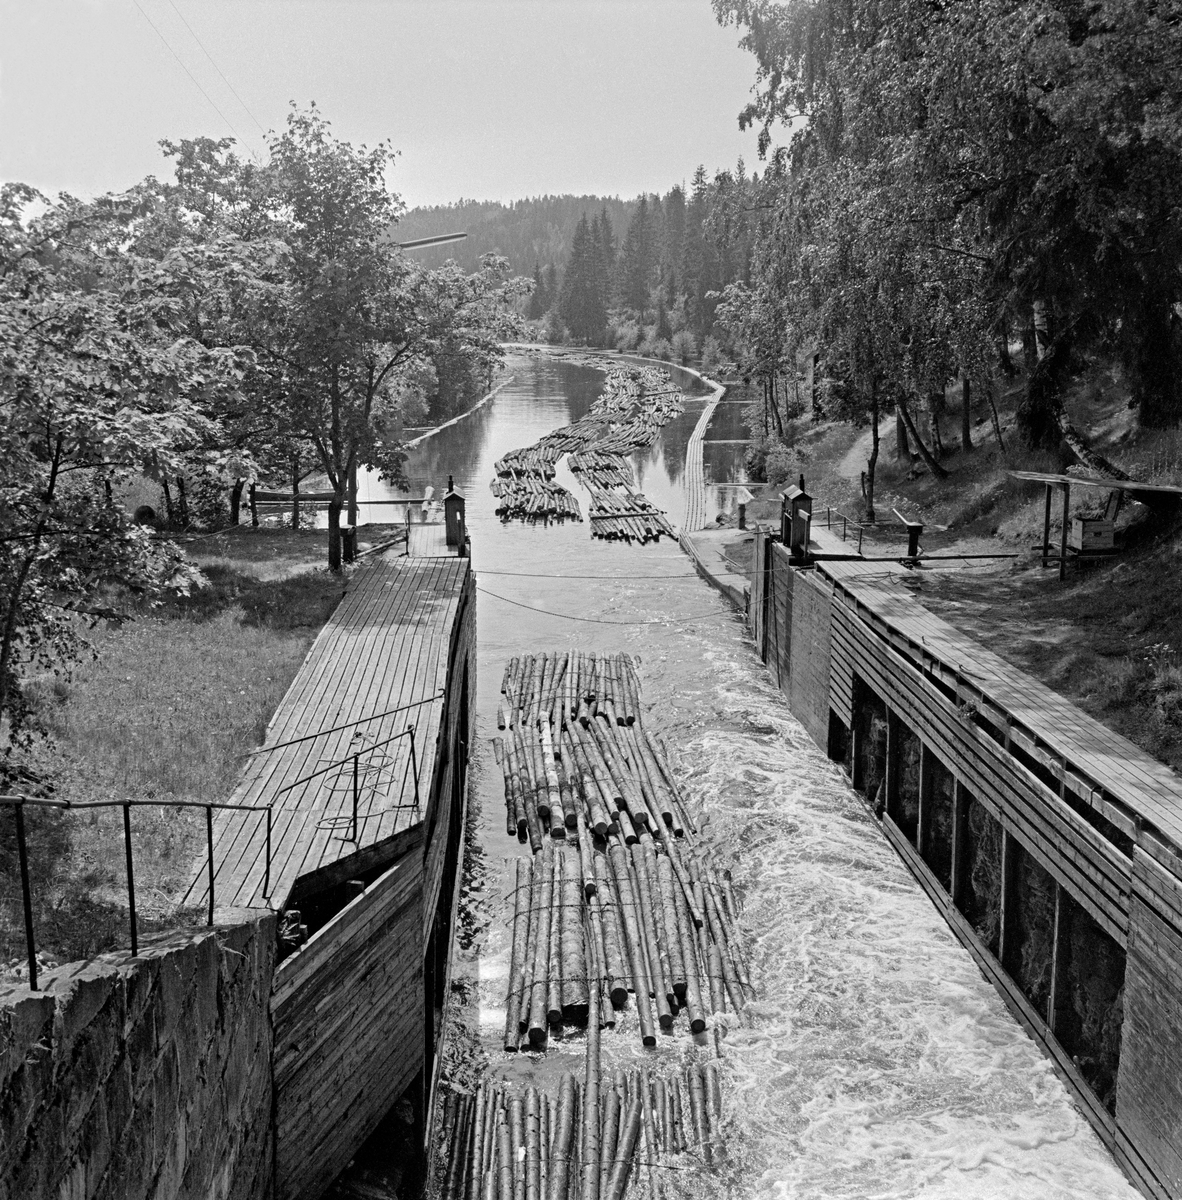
x=135, y=948
x=356, y=757
x=209, y=844
x=414, y=762
x=26, y=895
x=267, y=867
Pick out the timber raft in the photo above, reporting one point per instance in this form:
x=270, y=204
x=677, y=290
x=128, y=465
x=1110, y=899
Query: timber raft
x=365, y=771
x=1051, y=845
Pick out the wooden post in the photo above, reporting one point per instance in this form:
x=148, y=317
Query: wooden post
x=1056, y=959
x=1063, y=534
x=891, y=804
x=856, y=771
x=1046, y=526
x=254, y=506
x=960, y=824
x=925, y=788
x=1007, y=895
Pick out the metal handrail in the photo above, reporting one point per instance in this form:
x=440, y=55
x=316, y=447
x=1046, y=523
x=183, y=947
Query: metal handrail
x=348, y=725
x=19, y=803
x=355, y=758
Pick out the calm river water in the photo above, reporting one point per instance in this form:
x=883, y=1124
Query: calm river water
x=876, y=1062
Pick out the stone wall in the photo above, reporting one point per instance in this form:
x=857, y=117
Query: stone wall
x=143, y=1078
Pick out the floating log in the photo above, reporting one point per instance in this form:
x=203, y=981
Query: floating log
x=575, y=988
x=557, y=920
x=636, y=953
x=533, y=1146
x=522, y=894
x=563, y=1140
x=622, y=1161
x=541, y=960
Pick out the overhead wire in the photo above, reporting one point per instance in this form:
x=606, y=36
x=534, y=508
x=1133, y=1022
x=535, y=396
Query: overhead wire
x=613, y=578
x=196, y=82
x=546, y=612
x=218, y=69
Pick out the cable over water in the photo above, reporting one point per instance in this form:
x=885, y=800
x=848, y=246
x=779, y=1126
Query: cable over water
x=875, y=1060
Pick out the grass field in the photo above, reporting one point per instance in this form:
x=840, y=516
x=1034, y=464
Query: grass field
x=165, y=709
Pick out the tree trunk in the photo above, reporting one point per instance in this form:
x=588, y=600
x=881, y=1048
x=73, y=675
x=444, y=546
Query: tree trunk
x=989, y=388
x=902, y=446
x=1041, y=321
x=182, y=502
x=167, y=501
x=966, y=416
x=236, y=500
x=937, y=470
x=295, y=492
x=776, y=410
x=334, y=532
x=1003, y=352
x=353, y=496
x=254, y=506
x=872, y=461
x=935, y=405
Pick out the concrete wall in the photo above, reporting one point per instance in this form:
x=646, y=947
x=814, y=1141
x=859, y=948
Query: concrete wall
x=150, y=1077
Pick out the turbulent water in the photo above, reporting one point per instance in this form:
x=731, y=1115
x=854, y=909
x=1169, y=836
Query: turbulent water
x=876, y=1061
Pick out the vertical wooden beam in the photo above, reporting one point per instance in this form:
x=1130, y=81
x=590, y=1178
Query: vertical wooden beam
x=891, y=799
x=1046, y=526
x=1057, y=959
x=1063, y=533
x=960, y=825
x=925, y=788
x=856, y=771
x=1008, y=904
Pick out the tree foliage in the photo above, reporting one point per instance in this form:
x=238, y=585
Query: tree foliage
x=951, y=169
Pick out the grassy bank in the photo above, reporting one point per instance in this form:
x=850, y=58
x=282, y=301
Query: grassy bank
x=1110, y=637
x=165, y=709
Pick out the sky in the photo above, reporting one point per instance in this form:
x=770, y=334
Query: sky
x=484, y=99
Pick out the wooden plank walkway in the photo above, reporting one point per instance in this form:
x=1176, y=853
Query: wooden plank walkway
x=1091, y=752
x=385, y=646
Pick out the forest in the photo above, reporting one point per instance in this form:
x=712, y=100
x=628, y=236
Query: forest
x=944, y=181
x=243, y=321
x=939, y=183
x=642, y=275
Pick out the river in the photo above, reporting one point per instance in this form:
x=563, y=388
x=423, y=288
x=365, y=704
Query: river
x=876, y=1061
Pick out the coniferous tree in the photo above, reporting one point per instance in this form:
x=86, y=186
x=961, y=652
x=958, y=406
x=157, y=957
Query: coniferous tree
x=636, y=259
x=673, y=243
x=551, y=287
x=605, y=244
x=693, y=260
x=537, y=301
x=580, y=303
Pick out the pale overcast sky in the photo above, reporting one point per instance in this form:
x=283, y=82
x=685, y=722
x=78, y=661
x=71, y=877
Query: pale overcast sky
x=485, y=99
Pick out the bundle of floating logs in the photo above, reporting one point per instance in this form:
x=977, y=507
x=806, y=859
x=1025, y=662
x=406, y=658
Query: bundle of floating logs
x=626, y=515
x=633, y=407
x=587, y=1142
x=614, y=868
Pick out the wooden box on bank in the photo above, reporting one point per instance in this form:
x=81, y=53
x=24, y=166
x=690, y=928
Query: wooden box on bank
x=1089, y=533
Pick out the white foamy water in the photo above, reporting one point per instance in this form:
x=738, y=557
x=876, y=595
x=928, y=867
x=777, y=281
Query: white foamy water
x=876, y=1060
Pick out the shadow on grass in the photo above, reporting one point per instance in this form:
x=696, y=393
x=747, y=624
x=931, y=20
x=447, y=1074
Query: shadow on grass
x=75, y=915
x=298, y=602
